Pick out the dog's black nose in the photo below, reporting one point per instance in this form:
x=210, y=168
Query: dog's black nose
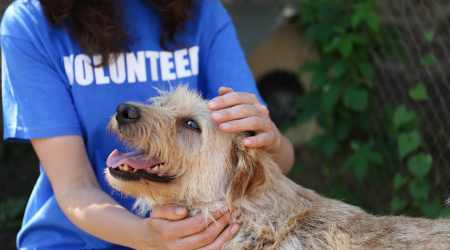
x=127, y=113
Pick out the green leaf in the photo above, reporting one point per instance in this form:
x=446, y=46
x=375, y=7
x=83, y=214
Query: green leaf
x=317, y=141
x=429, y=61
x=402, y=116
x=332, y=46
x=397, y=204
x=339, y=69
x=373, y=20
x=12, y=207
x=339, y=30
x=330, y=146
x=420, y=164
x=312, y=67
x=429, y=35
x=330, y=98
x=431, y=209
x=342, y=130
x=356, y=18
x=297, y=167
x=349, y=162
x=355, y=99
x=319, y=79
x=326, y=32
x=419, y=92
x=399, y=181
x=355, y=145
x=366, y=69
x=369, y=145
x=360, y=168
x=357, y=39
x=445, y=212
x=312, y=32
x=305, y=100
x=305, y=116
x=419, y=190
x=345, y=47
x=362, y=122
x=375, y=157
x=407, y=143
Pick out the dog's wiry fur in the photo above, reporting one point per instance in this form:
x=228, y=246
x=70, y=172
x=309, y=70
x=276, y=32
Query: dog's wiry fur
x=214, y=169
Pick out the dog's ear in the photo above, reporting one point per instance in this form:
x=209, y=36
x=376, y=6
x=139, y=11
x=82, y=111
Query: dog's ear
x=249, y=172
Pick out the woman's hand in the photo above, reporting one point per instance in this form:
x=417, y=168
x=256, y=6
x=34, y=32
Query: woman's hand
x=240, y=111
x=167, y=229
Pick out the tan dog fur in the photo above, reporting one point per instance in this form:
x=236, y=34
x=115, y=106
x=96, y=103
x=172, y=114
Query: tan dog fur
x=214, y=169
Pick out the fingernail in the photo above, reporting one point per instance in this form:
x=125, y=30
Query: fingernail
x=226, y=126
x=212, y=104
x=235, y=214
x=234, y=229
x=180, y=210
x=217, y=116
x=247, y=142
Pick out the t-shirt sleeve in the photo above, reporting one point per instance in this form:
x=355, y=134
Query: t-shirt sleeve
x=225, y=63
x=37, y=102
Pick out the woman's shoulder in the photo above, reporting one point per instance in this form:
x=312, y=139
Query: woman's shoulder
x=212, y=7
x=22, y=18
x=210, y=14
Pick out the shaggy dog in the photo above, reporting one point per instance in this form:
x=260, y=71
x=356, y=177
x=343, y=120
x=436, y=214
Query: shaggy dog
x=182, y=157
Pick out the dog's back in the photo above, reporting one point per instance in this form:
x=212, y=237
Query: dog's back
x=315, y=222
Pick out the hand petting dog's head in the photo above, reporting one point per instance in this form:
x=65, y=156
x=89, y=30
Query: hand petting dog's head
x=180, y=156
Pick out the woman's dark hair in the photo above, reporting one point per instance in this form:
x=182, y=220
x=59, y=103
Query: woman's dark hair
x=97, y=24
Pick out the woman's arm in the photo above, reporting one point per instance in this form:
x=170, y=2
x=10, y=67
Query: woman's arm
x=80, y=197
x=239, y=111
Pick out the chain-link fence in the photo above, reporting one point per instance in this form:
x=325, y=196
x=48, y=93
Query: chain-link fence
x=397, y=76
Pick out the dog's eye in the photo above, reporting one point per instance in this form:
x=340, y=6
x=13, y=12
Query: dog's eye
x=192, y=124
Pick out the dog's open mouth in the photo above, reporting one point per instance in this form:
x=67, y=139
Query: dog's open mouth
x=135, y=166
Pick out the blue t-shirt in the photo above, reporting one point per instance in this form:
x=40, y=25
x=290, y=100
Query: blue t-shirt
x=51, y=89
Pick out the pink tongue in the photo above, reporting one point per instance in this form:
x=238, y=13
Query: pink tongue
x=133, y=159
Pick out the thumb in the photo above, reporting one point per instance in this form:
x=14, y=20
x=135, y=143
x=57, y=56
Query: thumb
x=168, y=212
x=225, y=90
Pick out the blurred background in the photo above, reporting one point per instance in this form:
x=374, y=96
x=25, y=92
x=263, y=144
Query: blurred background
x=361, y=88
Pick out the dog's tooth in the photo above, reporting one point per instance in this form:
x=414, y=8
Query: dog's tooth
x=121, y=167
x=126, y=167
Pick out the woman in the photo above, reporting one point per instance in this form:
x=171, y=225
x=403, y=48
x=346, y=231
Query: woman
x=68, y=63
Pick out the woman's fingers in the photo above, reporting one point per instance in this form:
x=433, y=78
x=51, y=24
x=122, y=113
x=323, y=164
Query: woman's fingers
x=253, y=123
x=190, y=226
x=211, y=233
x=223, y=238
x=232, y=99
x=239, y=112
x=259, y=140
x=169, y=231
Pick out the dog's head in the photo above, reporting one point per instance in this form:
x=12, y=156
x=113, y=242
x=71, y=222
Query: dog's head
x=179, y=154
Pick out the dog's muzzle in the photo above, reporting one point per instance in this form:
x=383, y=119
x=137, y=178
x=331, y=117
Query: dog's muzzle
x=127, y=113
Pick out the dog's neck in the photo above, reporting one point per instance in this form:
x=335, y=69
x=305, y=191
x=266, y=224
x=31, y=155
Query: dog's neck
x=269, y=214
x=277, y=200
